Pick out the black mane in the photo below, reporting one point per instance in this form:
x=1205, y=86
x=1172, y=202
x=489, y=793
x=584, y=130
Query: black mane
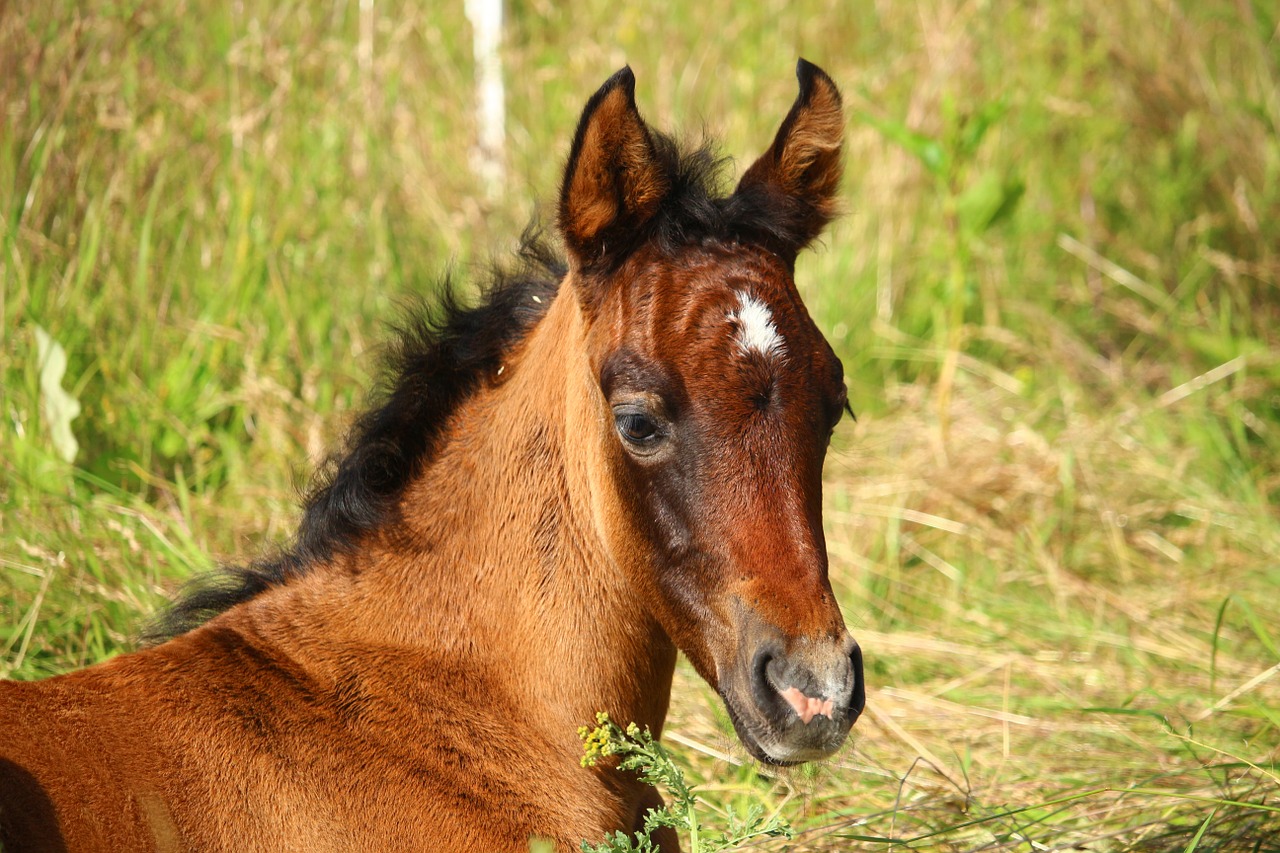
x=440, y=356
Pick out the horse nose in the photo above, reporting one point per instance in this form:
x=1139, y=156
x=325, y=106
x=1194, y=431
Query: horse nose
x=818, y=686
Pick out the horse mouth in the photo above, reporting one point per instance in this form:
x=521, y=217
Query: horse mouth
x=748, y=738
x=775, y=743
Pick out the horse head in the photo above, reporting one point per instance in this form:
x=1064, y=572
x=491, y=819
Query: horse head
x=713, y=396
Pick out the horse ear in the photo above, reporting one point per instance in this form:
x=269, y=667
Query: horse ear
x=614, y=181
x=799, y=176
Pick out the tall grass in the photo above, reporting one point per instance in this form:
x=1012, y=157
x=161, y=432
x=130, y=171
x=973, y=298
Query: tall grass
x=1055, y=291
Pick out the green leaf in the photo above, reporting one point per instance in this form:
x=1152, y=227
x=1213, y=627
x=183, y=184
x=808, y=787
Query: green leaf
x=1195, y=842
x=60, y=408
x=637, y=751
x=975, y=127
x=925, y=148
x=988, y=200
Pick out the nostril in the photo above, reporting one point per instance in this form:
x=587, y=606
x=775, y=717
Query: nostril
x=761, y=689
x=760, y=663
x=858, y=700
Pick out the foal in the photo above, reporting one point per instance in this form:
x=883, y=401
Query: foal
x=595, y=467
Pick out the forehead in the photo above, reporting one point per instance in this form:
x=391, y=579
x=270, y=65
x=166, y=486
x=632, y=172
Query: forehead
x=713, y=308
x=753, y=289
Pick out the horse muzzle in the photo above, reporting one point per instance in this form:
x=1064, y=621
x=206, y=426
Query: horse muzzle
x=797, y=701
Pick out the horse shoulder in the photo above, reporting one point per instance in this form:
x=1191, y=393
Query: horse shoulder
x=76, y=765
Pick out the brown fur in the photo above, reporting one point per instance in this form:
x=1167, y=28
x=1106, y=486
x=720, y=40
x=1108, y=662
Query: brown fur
x=422, y=688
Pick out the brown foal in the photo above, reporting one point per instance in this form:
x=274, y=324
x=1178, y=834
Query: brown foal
x=601, y=463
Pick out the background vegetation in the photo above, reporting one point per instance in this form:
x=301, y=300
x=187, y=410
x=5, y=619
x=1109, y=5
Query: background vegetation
x=1054, y=528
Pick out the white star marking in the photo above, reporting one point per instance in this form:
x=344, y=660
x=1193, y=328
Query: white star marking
x=755, y=327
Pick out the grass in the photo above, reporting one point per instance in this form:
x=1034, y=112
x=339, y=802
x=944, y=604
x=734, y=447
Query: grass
x=1056, y=291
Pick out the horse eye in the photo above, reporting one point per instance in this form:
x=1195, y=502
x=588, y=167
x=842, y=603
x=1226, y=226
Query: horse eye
x=841, y=412
x=841, y=409
x=636, y=427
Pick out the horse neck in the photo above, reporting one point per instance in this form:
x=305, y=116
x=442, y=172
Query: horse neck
x=498, y=559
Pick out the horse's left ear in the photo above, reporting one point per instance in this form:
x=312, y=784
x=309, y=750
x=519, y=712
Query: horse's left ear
x=614, y=182
x=799, y=176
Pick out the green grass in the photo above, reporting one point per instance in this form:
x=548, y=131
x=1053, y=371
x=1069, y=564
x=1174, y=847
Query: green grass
x=1056, y=291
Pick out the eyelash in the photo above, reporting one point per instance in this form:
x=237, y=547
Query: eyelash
x=636, y=427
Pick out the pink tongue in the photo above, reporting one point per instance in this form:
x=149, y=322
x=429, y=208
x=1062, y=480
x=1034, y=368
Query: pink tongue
x=806, y=706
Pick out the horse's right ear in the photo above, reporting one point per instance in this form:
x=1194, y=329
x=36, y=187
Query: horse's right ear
x=614, y=181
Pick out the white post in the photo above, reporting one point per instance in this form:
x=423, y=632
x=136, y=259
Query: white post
x=488, y=155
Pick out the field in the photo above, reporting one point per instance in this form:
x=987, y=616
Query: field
x=1055, y=526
